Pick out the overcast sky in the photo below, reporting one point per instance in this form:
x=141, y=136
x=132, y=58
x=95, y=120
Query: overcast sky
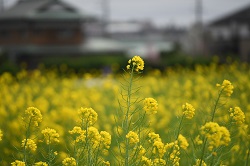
x=161, y=12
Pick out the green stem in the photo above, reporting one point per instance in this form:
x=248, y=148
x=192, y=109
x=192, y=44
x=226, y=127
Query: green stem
x=127, y=117
x=27, y=133
x=248, y=154
x=179, y=128
x=203, y=150
x=215, y=105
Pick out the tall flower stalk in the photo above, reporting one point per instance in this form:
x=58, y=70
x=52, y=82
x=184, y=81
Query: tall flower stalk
x=209, y=134
x=32, y=118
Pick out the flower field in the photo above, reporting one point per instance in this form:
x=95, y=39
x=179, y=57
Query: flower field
x=176, y=117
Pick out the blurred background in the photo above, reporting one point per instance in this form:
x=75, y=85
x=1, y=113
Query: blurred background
x=99, y=34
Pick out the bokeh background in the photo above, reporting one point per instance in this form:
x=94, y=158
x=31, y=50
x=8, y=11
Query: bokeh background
x=96, y=34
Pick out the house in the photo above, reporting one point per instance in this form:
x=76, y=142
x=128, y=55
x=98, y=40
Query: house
x=40, y=27
x=230, y=34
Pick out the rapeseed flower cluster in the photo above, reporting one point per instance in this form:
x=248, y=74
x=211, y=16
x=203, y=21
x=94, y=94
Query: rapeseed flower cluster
x=198, y=161
x=159, y=149
x=105, y=140
x=150, y=106
x=88, y=116
x=29, y=144
x=153, y=137
x=132, y=137
x=50, y=135
x=215, y=134
x=69, y=161
x=80, y=134
x=18, y=163
x=1, y=135
x=188, y=110
x=226, y=87
x=237, y=115
x=136, y=63
x=32, y=116
x=183, y=143
x=93, y=136
x=173, y=152
x=146, y=161
x=40, y=163
x=159, y=162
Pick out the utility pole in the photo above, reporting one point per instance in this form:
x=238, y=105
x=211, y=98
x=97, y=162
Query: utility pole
x=1, y=6
x=199, y=31
x=105, y=16
x=198, y=11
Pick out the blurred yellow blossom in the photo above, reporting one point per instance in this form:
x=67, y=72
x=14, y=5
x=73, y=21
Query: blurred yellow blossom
x=146, y=161
x=182, y=142
x=226, y=87
x=50, y=135
x=1, y=135
x=188, y=110
x=107, y=163
x=159, y=161
x=40, y=163
x=69, y=161
x=29, y=144
x=105, y=139
x=137, y=63
x=93, y=136
x=88, y=115
x=159, y=149
x=153, y=137
x=215, y=134
x=198, y=140
x=199, y=163
x=80, y=134
x=132, y=137
x=32, y=116
x=237, y=115
x=18, y=163
x=150, y=106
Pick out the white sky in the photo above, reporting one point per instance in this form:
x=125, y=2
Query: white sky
x=161, y=12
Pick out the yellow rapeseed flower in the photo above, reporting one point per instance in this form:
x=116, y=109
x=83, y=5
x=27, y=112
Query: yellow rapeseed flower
x=132, y=137
x=18, y=163
x=29, y=144
x=69, y=161
x=32, y=116
x=182, y=142
x=80, y=134
x=159, y=149
x=88, y=115
x=215, y=134
x=40, y=163
x=50, y=135
x=237, y=115
x=146, y=161
x=105, y=139
x=153, y=137
x=93, y=136
x=197, y=140
x=1, y=135
x=107, y=163
x=188, y=110
x=174, y=155
x=226, y=87
x=159, y=161
x=198, y=161
x=137, y=63
x=150, y=106
x=141, y=150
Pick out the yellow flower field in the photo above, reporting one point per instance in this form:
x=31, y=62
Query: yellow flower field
x=177, y=116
